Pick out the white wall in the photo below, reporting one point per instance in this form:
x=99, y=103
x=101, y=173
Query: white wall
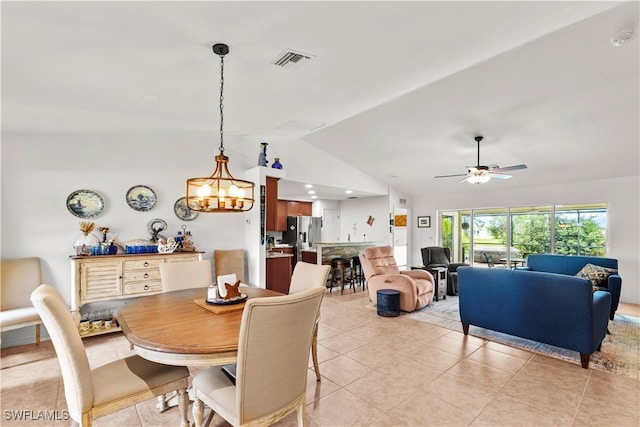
x=621, y=195
x=353, y=220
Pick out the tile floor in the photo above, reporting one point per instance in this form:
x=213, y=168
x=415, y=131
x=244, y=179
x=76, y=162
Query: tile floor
x=376, y=372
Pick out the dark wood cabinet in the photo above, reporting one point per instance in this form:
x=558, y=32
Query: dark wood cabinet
x=287, y=208
x=271, y=207
x=278, y=277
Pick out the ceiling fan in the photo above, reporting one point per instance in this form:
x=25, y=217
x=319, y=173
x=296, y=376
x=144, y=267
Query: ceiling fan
x=479, y=174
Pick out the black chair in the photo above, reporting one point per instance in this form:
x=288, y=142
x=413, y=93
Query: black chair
x=436, y=256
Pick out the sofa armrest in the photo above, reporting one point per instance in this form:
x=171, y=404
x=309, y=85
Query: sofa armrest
x=600, y=318
x=614, y=286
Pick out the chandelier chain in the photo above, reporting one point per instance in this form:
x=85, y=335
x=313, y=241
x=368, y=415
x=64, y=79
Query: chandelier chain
x=221, y=103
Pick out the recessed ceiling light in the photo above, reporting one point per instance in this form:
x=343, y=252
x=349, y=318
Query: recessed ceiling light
x=314, y=197
x=349, y=191
x=312, y=192
x=308, y=186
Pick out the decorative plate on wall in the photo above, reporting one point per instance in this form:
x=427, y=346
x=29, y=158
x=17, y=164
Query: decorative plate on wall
x=182, y=210
x=85, y=204
x=141, y=198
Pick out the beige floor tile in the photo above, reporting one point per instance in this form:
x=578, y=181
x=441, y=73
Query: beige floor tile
x=458, y=392
x=342, y=408
x=506, y=411
x=496, y=359
x=476, y=373
x=380, y=390
x=427, y=410
x=316, y=390
x=343, y=370
x=387, y=421
x=454, y=345
x=517, y=352
x=597, y=411
x=555, y=373
x=342, y=343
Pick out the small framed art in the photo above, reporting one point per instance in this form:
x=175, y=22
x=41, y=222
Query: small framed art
x=424, y=221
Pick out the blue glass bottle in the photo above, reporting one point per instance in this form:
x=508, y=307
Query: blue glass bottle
x=276, y=163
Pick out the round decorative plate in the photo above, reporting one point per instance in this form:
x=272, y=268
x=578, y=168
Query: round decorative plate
x=85, y=204
x=222, y=301
x=141, y=198
x=182, y=210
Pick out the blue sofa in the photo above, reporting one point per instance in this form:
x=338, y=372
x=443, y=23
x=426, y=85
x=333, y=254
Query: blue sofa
x=572, y=264
x=555, y=309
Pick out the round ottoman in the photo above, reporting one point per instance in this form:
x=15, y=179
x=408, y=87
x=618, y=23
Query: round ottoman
x=388, y=302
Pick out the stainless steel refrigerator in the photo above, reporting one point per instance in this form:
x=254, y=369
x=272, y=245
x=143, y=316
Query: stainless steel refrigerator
x=303, y=232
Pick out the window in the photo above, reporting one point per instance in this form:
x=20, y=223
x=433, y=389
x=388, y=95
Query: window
x=561, y=229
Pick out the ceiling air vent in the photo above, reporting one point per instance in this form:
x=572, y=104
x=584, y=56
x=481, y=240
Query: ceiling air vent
x=291, y=59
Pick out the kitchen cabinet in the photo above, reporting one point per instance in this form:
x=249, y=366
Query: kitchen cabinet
x=113, y=277
x=278, y=274
x=290, y=208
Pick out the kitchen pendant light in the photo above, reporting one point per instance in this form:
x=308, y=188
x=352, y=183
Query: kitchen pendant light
x=220, y=192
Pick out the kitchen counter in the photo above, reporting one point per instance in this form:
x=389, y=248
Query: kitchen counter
x=329, y=250
x=278, y=255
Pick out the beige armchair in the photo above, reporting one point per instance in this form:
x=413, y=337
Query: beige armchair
x=108, y=388
x=273, y=355
x=381, y=272
x=19, y=277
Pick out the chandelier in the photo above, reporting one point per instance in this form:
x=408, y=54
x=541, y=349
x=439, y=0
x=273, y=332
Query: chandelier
x=220, y=192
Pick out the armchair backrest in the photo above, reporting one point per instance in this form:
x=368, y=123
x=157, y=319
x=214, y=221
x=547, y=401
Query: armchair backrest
x=378, y=260
x=185, y=275
x=20, y=277
x=229, y=261
x=74, y=363
x=436, y=255
x=306, y=276
x=273, y=352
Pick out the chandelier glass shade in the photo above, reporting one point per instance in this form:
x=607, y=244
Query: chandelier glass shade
x=220, y=192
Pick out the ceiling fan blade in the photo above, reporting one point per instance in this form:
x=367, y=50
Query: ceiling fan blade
x=463, y=179
x=509, y=168
x=501, y=176
x=449, y=176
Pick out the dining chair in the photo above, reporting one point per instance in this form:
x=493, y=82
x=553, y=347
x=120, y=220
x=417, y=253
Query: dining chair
x=273, y=355
x=18, y=278
x=184, y=275
x=107, y=388
x=229, y=261
x=306, y=276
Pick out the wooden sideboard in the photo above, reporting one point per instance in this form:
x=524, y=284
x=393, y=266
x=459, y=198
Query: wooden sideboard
x=113, y=277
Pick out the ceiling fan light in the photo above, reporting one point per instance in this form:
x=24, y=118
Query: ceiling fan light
x=478, y=179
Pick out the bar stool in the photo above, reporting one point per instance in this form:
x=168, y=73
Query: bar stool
x=339, y=268
x=356, y=272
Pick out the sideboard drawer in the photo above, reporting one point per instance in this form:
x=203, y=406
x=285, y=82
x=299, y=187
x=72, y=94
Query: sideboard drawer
x=138, y=276
x=142, y=264
x=142, y=287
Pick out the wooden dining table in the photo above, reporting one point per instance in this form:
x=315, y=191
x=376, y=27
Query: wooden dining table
x=170, y=328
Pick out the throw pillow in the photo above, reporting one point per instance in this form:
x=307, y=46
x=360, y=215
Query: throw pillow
x=596, y=273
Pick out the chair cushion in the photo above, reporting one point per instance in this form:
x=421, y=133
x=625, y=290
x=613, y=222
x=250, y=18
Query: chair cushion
x=381, y=260
x=597, y=274
x=130, y=376
x=19, y=316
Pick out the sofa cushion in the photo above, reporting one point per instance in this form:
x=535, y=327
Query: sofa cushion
x=596, y=273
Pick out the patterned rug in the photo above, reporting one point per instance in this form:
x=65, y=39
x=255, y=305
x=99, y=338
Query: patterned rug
x=620, y=350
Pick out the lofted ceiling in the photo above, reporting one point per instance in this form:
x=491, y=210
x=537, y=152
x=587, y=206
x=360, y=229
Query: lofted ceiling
x=396, y=89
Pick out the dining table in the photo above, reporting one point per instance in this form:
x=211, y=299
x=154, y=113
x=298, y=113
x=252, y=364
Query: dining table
x=171, y=328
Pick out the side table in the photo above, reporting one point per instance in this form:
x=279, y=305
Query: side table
x=440, y=280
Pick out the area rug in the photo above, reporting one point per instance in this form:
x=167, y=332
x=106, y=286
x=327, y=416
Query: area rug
x=620, y=350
